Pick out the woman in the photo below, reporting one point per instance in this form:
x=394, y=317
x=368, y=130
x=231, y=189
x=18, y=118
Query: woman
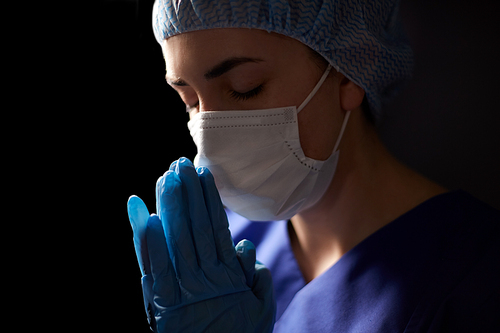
x=283, y=97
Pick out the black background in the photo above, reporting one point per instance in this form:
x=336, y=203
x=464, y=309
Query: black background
x=445, y=124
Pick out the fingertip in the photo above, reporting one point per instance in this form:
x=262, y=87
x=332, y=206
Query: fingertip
x=200, y=170
x=132, y=198
x=185, y=161
x=153, y=219
x=170, y=178
x=133, y=201
x=162, y=181
x=203, y=171
x=153, y=224
x=245, y=252
x=205, y=175
x=182, y=161
x=245, y=246
x=137, y=212
x=187, y=174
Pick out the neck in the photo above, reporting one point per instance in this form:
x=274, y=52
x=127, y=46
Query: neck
x=370, y=189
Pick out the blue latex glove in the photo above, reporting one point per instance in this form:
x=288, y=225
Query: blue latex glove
x=194, y=280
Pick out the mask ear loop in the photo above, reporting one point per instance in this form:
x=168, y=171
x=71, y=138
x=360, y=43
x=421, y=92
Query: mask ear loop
x=316, y=88
x=311, y=95
x=344, y=124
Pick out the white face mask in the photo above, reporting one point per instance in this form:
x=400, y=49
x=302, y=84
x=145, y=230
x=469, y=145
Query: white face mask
x=257, y=161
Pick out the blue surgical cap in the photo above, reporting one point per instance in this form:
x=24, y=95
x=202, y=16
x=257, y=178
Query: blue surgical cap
x=362, y=39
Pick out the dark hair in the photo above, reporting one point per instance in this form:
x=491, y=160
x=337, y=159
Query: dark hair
x=322, y=63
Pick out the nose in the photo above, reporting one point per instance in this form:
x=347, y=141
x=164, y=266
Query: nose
x=204, y=104
x=209, y=103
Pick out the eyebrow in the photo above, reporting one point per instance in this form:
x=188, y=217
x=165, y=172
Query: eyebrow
x=218, y=70
x=226, y=65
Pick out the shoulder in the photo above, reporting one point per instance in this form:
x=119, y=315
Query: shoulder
x=473, y=209
x=463, y=293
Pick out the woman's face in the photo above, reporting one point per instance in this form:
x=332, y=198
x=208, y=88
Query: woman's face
x=244, y=69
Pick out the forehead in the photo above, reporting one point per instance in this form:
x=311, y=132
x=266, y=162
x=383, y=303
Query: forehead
x=199, y=49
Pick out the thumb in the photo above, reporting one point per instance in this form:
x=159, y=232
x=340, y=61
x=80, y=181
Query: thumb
x=138, y=215
x=245, y=252
x=263, y=282
x=264, y=291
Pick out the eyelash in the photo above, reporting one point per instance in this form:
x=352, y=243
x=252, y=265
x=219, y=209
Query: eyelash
x=236, y=95
x=247, y=95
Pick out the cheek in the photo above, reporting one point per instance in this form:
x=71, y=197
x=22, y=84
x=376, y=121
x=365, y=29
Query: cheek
x=316, y=138
x=281, y=93
x=319, y=125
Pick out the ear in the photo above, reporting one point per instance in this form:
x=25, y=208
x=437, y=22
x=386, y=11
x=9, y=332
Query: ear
x=351, y=95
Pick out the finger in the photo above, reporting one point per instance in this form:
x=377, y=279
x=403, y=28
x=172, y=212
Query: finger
x=201, y=227
x=173, y=165
x=165, y=288
x=245, y=252
x=159, y=183
x=262, y=283
x=148, y=295
x=223, y=240
x=263, y=290
x=138, y=216
x=174, y=216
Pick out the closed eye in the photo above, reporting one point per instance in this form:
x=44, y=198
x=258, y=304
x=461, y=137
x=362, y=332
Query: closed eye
x=235, y=95
x=247, y=95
